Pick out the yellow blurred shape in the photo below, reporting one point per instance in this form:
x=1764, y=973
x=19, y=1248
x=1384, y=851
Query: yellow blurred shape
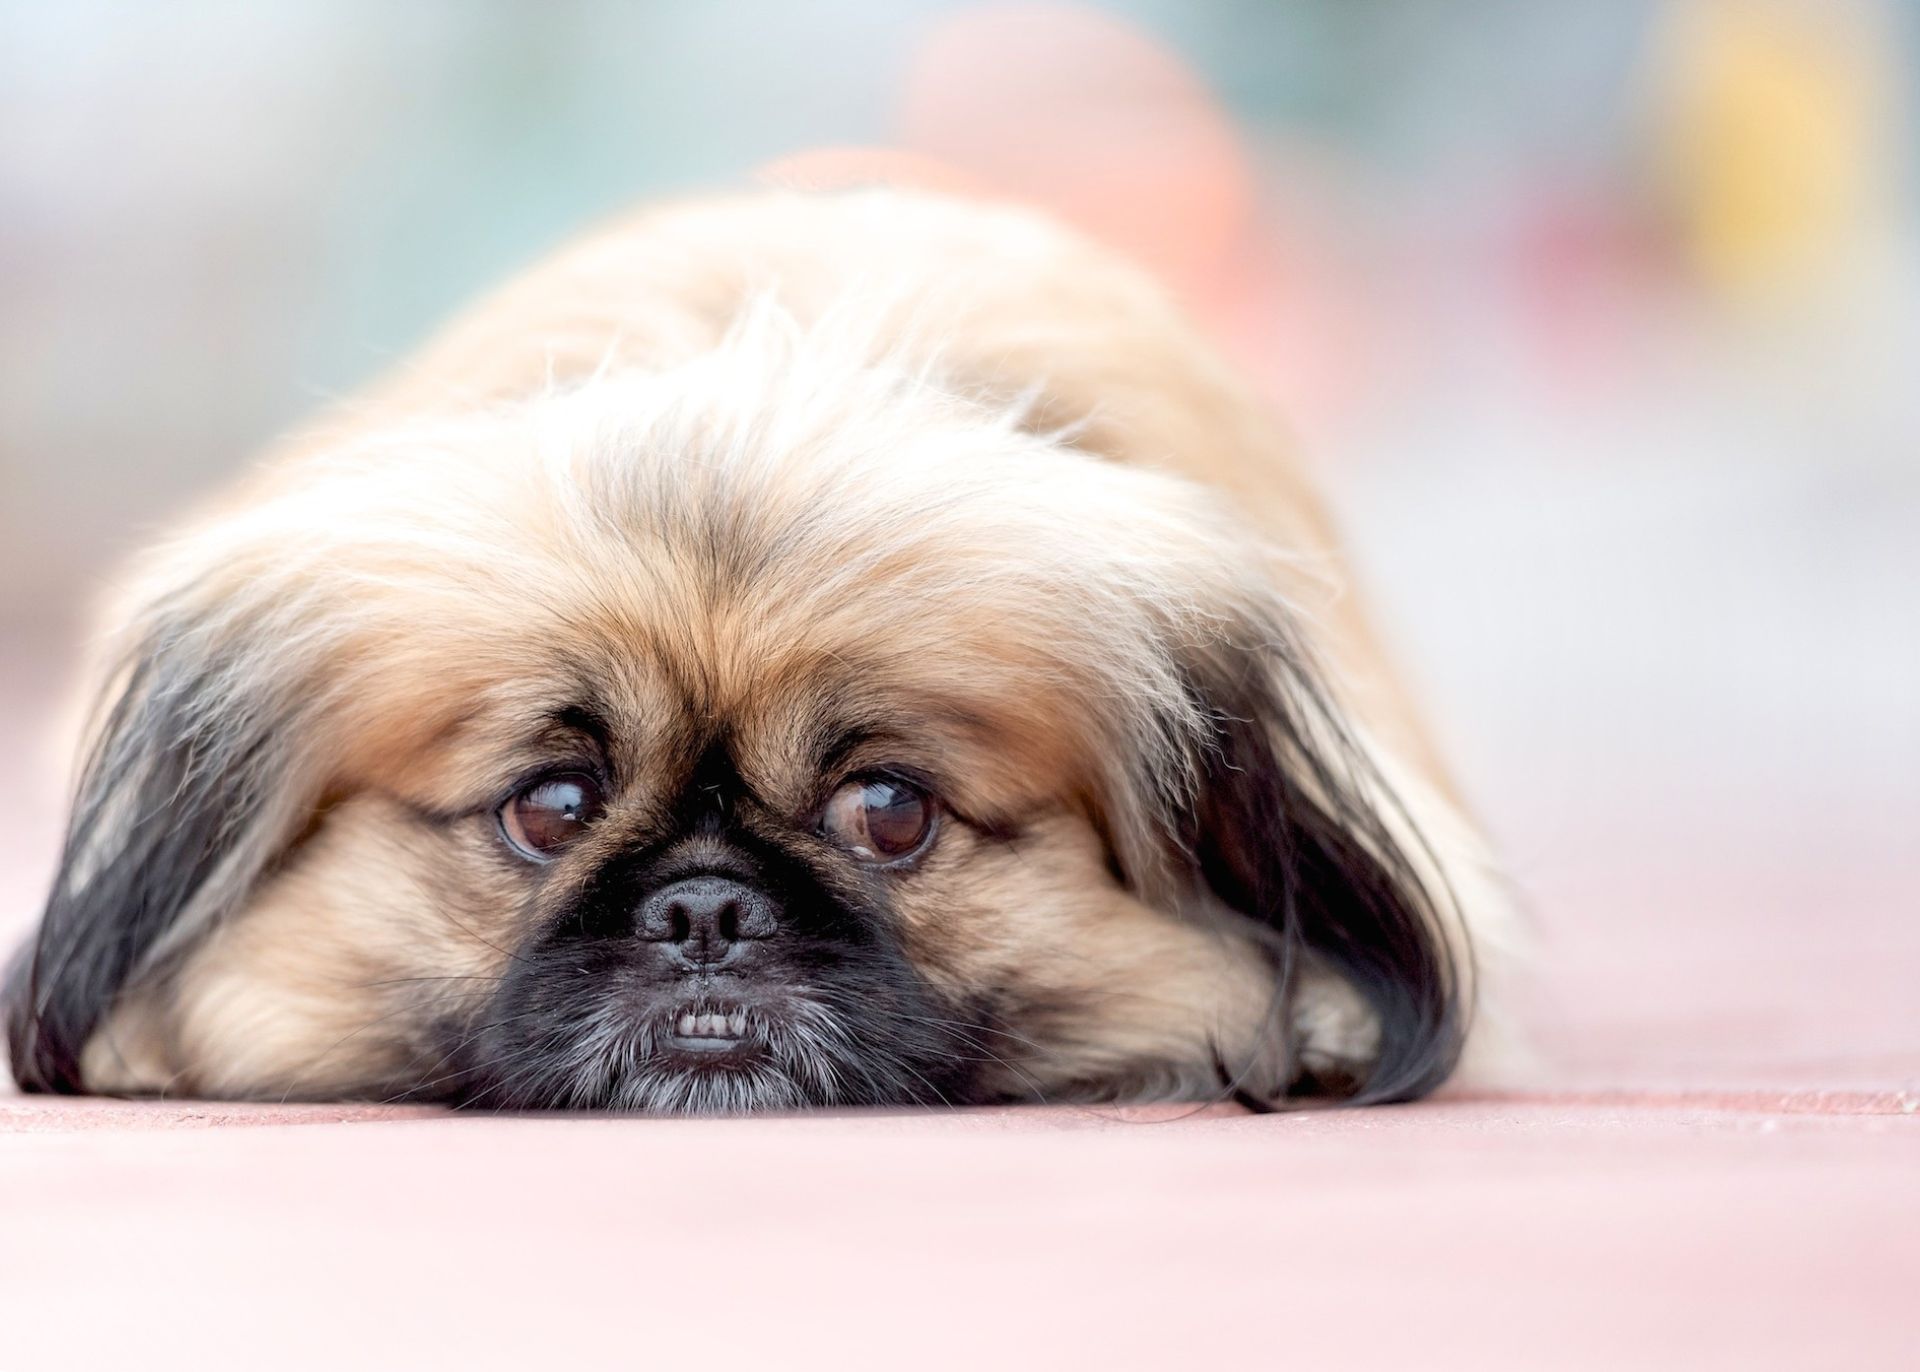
x=1773, y=134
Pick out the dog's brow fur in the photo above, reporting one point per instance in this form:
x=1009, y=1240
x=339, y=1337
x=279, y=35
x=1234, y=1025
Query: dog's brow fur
x=844, y=481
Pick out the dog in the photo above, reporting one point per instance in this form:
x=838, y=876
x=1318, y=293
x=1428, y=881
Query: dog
x=789, y=650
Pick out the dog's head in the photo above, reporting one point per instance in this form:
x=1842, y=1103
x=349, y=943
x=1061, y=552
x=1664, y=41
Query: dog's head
x=778, y=729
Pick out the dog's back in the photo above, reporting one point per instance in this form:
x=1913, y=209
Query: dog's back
x=999, y=303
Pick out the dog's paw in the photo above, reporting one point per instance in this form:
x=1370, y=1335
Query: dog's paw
x=1335, y=1034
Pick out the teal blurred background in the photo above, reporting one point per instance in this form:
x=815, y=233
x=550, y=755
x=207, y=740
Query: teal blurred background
x=1599, y=318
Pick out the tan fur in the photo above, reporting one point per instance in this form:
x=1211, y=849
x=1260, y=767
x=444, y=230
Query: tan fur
x=894, y=407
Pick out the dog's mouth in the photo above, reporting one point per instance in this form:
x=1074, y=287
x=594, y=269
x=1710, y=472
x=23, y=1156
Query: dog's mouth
x=708, y=1050
x=712, y=1031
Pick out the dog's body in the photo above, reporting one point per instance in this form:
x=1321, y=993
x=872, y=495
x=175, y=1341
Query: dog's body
x=788, y=650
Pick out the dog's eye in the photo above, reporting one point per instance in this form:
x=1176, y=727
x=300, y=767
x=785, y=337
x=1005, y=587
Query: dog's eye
x=546, y=816
x=879, y=819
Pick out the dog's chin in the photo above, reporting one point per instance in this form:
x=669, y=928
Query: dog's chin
x=704, y=1053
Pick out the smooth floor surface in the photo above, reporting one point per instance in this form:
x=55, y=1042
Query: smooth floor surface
x=1709, y=1230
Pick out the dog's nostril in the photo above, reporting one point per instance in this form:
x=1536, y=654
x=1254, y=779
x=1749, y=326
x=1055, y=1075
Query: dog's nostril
x=701, y=919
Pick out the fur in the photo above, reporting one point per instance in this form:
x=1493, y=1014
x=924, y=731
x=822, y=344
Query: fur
x=727, y=504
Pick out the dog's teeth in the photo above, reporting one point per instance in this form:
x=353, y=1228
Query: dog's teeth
x=711, y=1024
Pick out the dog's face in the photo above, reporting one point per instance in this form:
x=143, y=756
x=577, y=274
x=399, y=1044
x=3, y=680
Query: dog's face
x=770, y=732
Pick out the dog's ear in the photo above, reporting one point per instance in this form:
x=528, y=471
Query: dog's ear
x=1295, y=828
x=187, y=791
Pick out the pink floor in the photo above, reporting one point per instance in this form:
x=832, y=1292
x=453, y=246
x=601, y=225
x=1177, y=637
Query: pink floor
x=1736, y=1230
x=1718, y=1167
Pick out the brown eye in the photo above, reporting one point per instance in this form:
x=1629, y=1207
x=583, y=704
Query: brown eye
x=878, y=819
x=546, y=816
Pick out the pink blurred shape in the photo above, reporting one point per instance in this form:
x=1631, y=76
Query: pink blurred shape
x=1097, y=121
x=1089, y=116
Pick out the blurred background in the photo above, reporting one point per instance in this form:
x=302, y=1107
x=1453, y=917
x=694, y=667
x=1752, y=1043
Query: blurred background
x=1598, y=317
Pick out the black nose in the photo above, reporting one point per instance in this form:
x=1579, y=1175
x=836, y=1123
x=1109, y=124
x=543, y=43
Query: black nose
x=701, y=919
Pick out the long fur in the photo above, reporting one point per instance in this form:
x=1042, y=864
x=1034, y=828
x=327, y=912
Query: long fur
x=778, y=463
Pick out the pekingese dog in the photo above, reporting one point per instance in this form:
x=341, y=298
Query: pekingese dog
x=794, y=650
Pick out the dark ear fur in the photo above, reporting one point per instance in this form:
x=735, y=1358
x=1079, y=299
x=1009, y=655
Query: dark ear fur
x=1288, y=832
x=176, y=812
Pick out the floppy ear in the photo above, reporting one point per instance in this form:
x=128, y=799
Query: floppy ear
x=1295, y=828
x=185, y=795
